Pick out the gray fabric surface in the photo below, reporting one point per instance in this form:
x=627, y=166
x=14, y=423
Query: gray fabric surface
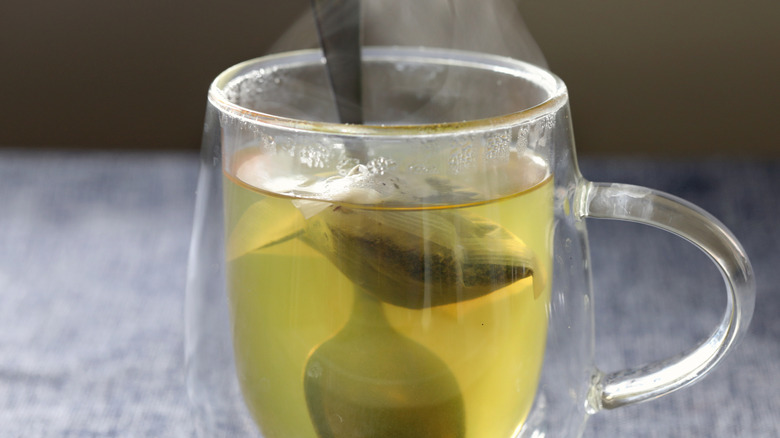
x=93, y=250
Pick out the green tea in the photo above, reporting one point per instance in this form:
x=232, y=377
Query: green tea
x=294, y=275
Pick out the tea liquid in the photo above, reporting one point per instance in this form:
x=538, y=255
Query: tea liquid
x=287, y=298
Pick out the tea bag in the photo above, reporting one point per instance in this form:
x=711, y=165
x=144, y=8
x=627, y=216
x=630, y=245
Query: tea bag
x=418, y=259
x=413, y=258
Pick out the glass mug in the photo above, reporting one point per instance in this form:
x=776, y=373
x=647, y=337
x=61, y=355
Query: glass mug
x=425, y=274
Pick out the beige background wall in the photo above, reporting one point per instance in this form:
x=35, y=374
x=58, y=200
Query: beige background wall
x=658, y=78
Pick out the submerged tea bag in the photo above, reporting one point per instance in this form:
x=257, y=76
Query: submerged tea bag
x=418, y=259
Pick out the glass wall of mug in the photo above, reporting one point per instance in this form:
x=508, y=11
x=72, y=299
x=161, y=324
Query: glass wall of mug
x=424, y=274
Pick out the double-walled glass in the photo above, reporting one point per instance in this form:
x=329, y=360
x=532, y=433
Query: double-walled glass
x=422, y=275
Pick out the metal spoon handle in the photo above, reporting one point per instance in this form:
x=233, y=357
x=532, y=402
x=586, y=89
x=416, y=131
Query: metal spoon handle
x=338, y=27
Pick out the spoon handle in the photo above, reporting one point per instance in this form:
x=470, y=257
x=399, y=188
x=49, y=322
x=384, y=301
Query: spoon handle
x=338, y=27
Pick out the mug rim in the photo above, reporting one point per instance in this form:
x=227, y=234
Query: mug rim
x=551, y=84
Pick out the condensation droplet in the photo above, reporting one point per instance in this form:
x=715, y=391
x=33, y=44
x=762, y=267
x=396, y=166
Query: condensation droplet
x=267, y=142
x=314, y=155
x=497, y=146
x=522, y=139
x=422, y=169
x=462, y=159
x=380, y=165
x=549, y=122
x=346, y=165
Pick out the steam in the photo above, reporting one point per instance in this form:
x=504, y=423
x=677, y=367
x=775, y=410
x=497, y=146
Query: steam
x=487, y=26
x=409, y=92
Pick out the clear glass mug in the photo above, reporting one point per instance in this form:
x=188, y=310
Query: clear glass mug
x=424, y=274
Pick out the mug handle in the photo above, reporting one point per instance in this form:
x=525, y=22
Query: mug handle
x=667, y=212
